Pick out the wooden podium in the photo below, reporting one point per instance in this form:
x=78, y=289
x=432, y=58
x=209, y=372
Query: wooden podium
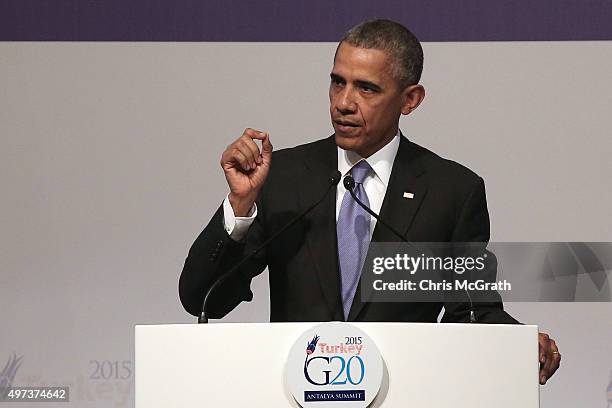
x=426, y=365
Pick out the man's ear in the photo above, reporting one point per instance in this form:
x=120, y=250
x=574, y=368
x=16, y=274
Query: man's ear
x=412, y=96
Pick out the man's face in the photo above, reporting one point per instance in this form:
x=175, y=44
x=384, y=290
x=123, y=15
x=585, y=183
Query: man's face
x=365, y=100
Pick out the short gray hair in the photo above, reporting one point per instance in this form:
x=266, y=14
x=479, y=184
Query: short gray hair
x=395, y=39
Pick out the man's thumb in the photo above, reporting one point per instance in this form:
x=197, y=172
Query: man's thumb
x=266, y=146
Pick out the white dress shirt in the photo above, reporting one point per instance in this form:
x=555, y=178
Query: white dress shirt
x=375, y=186
x=376, y=183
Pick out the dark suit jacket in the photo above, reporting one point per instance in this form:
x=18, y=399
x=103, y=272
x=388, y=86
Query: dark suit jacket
x=449, y=204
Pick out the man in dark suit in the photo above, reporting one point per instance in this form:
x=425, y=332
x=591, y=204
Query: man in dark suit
x=315, y=266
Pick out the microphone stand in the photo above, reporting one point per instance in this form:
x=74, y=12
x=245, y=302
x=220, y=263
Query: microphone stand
x=333, y=180
x=349, y=184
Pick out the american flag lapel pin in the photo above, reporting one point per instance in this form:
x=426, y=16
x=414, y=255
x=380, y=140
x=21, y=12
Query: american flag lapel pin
x=408, y=195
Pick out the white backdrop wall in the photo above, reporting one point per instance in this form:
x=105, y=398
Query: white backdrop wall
x=109, y=169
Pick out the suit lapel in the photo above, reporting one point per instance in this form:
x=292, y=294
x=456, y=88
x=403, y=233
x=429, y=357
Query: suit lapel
x=398, y=211
x=406, y=178
x=321, y=161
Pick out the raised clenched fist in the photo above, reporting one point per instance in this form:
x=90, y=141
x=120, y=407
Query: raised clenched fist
x=246, y=169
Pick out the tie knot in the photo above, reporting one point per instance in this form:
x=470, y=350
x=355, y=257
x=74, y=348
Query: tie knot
x=360, y=171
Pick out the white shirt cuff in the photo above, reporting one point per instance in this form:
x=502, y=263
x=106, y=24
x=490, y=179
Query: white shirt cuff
x=237, y=227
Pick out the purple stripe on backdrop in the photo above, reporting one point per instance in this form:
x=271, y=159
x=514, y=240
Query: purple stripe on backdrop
x=312, y=20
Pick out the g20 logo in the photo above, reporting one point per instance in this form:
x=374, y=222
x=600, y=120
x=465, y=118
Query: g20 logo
x=331, y=369
x=346, y=371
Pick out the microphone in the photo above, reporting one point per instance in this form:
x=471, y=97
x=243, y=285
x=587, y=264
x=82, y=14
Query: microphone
x=473, y=318
x=333, y=181
x=349, y=184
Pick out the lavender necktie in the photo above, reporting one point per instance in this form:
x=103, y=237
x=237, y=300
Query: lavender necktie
x=353, y=231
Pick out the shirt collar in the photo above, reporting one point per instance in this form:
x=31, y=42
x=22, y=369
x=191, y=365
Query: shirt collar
x=381, y=161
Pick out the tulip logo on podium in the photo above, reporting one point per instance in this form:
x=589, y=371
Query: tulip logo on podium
x=312, y=345
x=341, y=367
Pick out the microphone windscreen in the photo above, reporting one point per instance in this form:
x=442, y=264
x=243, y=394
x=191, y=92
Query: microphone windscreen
x=335, y=177
x=349, y=182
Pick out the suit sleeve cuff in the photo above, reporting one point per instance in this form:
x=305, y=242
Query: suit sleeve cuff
x=237, y=227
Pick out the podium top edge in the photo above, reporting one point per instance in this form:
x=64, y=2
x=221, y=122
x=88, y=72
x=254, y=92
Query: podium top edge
x=311, y=324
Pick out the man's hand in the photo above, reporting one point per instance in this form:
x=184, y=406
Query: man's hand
x=549, y=357
x=246, y=169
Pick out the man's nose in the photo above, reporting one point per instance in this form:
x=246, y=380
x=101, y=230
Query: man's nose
x=346, y=101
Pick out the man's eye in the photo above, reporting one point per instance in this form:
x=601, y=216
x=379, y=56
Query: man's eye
x=367, y=89
x=337, y=81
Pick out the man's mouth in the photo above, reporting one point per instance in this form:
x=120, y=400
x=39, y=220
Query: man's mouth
x=346, y=123
x=344, y=126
